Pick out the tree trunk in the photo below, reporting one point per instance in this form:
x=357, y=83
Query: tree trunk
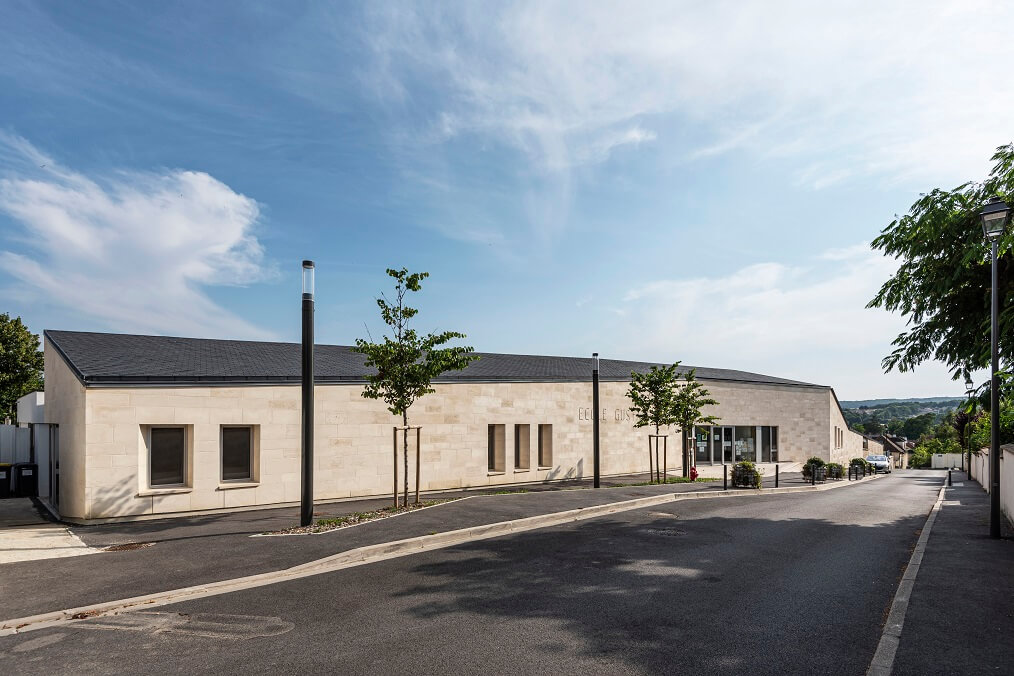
x=657, y=473
x=686, y=455
x=405, y=419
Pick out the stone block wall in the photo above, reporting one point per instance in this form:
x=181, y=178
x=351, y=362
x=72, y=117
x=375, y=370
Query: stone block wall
x=104, y=431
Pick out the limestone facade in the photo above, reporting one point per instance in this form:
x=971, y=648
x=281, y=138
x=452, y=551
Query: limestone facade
x=104, y=441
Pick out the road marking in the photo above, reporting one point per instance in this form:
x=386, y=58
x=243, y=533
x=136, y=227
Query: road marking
x=883, y=659
x=378, y=552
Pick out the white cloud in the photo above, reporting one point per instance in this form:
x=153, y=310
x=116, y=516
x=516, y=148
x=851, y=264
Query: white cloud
x=900, y=90
x=134, y=251
x=807, y=322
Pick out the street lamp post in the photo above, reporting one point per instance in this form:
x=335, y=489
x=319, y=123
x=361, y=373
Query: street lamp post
x=967, y=440
x=595, y=424
x=306, y=498
x=994, y=218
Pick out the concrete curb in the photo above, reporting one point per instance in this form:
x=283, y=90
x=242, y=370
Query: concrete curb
x=378, y=552
x=883, y=659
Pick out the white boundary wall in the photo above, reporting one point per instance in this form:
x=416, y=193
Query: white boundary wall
x=946, y=460
x=980, y=472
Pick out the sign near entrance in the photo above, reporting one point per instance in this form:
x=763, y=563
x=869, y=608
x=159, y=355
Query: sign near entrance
x=616, y=415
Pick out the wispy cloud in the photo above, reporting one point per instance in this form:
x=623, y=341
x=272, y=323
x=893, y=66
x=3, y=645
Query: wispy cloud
x=135, y=251
x=899, y=90
x=807, y=321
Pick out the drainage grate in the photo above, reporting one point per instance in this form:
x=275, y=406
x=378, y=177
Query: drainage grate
x=129, y=546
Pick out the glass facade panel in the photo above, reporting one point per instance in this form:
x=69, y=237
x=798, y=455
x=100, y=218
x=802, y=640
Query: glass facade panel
x=727, y=444
x=774, y=444
x=765, y=444
x=702, y=445
x=746, y=443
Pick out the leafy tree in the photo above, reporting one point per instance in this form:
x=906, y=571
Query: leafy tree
x=653, y=399
x=917, y=426
x=874, y=426
x=408, y=362
x=21, y=364
x=690, y=399
x=980, y=430
x=943, y=283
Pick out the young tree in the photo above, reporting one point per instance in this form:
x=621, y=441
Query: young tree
x=942, y=286
x=690, y=399
x=407, y=362
x=653, y=400
x=21, y=364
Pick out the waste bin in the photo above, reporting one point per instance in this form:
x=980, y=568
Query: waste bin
x=5, y=480
x=26, y=480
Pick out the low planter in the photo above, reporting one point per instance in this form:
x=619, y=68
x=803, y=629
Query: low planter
x=745, y=475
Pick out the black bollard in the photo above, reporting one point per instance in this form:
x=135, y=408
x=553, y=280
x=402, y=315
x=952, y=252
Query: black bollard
x=776, y=476
x=949, y=478
x=725, y=477
x=813, y=475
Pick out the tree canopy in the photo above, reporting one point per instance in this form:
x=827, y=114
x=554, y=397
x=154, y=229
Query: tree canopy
x=653, y=396
x=407, y=362
x=943, y=283
x=21, y=363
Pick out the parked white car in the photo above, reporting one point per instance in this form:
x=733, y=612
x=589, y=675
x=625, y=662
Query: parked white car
x=881, y=463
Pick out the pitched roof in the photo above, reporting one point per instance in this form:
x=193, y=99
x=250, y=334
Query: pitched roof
x=113, y=359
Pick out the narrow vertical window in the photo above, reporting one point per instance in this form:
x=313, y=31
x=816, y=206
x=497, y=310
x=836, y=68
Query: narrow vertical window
x=545, y=445
x=237, y=454
x=522, y=446
x=167, y=447
x=497, y=441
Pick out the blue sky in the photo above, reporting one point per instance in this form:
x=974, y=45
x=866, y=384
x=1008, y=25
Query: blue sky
x=662, y=181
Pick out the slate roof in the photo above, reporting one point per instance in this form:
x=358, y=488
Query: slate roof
x=113, y=359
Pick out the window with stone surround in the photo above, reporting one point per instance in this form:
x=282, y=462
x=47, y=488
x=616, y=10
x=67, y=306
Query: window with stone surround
x=497, y=448
x=167, y=456
x=545, y=446
x=522, y=446
x=239, y=457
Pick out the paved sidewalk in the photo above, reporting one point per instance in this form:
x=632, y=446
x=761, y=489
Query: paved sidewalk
x=27, y=534
x=198, y=550
x=960, y=618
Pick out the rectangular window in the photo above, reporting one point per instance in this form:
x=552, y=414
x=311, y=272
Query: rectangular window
x=774, y=444
x=167, y=448
x=746, y=443
x=237, y=454
x=765, y=444
x=497, y=441
x=522, y=446
x=545, y=445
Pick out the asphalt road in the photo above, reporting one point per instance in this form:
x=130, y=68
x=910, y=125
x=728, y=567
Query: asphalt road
x=765, y=585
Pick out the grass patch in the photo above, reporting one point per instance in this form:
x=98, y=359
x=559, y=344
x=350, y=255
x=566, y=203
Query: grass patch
x=355, y=518
x=508, y=492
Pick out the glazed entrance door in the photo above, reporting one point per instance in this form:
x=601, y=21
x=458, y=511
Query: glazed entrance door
x=726, y=444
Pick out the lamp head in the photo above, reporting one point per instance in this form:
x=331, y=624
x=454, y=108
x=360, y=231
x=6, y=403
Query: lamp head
x=308, y=279
x=994, y=218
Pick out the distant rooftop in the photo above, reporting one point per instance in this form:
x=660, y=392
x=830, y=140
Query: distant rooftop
x=114, y=359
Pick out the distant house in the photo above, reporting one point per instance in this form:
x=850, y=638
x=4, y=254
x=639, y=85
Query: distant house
x=897, y=448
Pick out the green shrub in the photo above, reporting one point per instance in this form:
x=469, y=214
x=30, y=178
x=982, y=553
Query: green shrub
x=745, y=474
x=835, y=470
x=810, y=464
